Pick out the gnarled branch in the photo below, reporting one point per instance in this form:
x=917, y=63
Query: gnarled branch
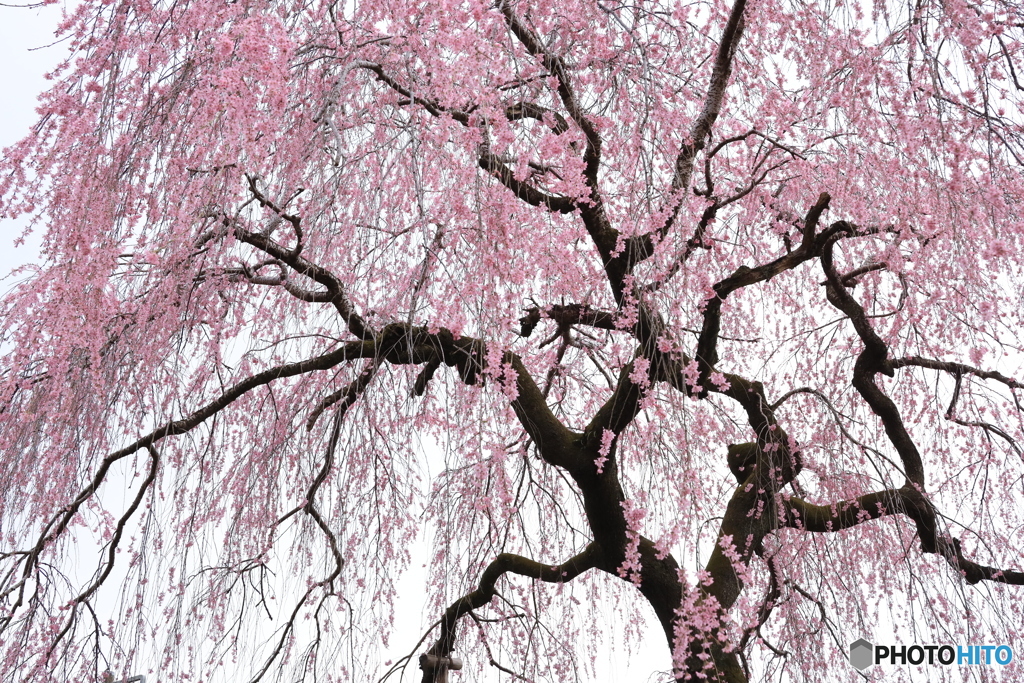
x=504, y=564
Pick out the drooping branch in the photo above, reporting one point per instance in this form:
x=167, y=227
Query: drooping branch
x=957, y=370
x=346, y=396
x=313, y=511
x=907, y=500
x=349, y=396
x=398, y=344
x=113, y=546
x=954, y=369
x=59, y=523
x=506, y=563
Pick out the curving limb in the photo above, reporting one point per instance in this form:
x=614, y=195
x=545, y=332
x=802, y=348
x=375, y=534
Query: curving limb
x=344, y=397
x=397, y=344
x=871, y=362
x=487, y=160
x=566, y=92
x=811, y=246
x=700, y=130
x=335, y=290
x=953, y=368
x=506, y=563
x=565, y=316
x=908, y=501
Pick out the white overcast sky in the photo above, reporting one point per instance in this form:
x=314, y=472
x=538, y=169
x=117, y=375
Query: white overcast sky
x=25, y=33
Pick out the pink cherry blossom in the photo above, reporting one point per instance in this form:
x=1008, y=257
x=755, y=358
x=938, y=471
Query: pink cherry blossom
x=691, y=323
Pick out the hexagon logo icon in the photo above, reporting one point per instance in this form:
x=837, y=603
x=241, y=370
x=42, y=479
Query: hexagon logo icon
x=861, y=654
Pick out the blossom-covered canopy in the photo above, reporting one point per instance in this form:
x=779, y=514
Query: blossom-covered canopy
x=707, y=313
